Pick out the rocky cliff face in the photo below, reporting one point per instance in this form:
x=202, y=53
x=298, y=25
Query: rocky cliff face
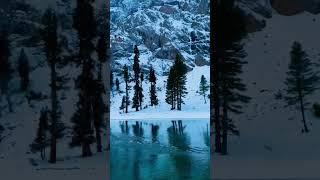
x=293, y=7
x=161, y=29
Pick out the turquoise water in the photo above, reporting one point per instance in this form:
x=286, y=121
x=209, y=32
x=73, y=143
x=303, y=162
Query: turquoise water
x=160, y=150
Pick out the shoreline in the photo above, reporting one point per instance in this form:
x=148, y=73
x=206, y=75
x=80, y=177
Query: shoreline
x=158, y=119
x=161, y=116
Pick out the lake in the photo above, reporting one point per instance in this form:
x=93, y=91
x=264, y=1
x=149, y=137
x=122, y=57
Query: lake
x=160, y=150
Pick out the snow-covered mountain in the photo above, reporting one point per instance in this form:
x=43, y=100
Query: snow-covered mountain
x=161, y=30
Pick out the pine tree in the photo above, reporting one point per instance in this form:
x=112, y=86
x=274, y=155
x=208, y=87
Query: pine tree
x=5, y=67
x=215, y=123
x=85, y=24
x=176, y=82
x=136, y=100
x=99, y=107
x=50, y=37
x=123, y=103
x=170, y=89
x=228, y=64
x=102, y=54
x=301, y=80
x=141, y=90
x=181, y=79
x=1, y=130
x=82, y=134
x=111, y=81
x=204, y=87
x=153, y=81
x=41, y=141
x=126, y=77
x=23, y=68
x=117, y=85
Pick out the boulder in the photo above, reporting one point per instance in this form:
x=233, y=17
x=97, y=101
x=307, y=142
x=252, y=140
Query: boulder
x=167, y=9
x=168, y=52
x=201, y=61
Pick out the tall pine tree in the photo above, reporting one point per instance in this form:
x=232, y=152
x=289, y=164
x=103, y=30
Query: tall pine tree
x=153, y=92
x=99, y=107
x=82, y=134
x=5, y=67
x=41, y=141
x=85, y=24
x=203, y=88
x=24, y=69
x=181, y=79
x=126, y=77
x=137, y=97
x=50, y=37
x=301, y=81
x=170, y=89
x=123, y=104
x=99, y=110
x=117, y=85
x=175, y=89
x=228, y=62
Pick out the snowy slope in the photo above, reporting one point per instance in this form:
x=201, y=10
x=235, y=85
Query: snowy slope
x=20, y=127
x=271, y=144
x=195, y=106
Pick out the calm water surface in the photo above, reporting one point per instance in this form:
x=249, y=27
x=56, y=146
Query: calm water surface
x=160, y=150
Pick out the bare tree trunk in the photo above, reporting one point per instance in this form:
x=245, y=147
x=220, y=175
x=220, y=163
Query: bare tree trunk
x=303, y=113
x=127, y=97
x=99, y=144
x=216, y=106
x=224, y=147
x=86, y=149
x=54, y=103
x=8, y=97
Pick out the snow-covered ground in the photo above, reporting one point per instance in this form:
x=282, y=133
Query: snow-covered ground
x=194, y=107
x=16, y=160
x=271, y=144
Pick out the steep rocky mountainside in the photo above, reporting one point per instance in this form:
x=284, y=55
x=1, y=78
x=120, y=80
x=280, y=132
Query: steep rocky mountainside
x=258, y=11
x=161, y=29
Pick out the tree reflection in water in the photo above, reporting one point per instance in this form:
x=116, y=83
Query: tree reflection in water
x=160, y=149
x=124, y=127
x=206, y=137
x=138, y=129
x=177, y=137
x=154, y=132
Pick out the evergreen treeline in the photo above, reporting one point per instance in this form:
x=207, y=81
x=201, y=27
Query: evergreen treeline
x=89, y=117
x=175, y=88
